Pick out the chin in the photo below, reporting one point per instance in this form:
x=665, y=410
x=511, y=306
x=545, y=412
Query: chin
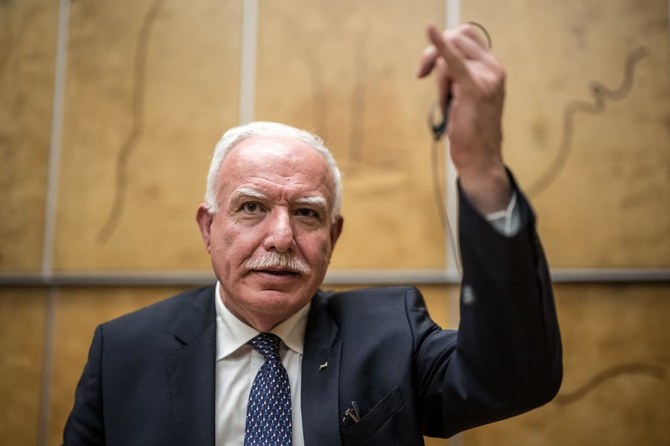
x=279, y=302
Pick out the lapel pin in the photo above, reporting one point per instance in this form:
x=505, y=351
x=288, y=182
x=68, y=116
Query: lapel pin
x=323, y=366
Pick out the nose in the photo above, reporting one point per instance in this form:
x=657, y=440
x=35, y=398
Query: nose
x=279, y=231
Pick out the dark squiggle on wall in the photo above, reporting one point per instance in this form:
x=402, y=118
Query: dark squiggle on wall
x=600, y=93
x=636, y=369
x=137, y=125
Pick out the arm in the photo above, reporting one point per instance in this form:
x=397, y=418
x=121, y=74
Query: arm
x=508, y=333
x=507, y=359
x=85, y=423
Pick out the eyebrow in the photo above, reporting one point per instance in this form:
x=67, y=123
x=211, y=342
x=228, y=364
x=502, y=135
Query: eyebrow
x=246, y=192
x=313, y=201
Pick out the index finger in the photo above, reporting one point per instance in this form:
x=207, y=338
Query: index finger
x=427, y=62
x=450, y=54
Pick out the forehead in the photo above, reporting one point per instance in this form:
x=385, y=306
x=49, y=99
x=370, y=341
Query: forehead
x=266, y=161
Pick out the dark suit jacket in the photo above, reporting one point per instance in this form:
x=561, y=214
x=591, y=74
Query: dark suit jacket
x=150, y=375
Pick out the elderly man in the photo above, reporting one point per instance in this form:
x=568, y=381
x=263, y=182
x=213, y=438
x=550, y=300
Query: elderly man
x=265, y=357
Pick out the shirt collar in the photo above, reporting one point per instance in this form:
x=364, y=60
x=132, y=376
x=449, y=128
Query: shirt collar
x=232, y=333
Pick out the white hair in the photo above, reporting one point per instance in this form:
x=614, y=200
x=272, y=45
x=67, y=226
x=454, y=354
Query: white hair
x=236, y=135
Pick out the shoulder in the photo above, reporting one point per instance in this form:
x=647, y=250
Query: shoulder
x=371, y=296
x=194, y=304
x=384, y=303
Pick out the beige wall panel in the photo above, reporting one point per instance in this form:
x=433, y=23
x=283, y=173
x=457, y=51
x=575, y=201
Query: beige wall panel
x=346, y=71
x=442, y=303
x=608, y=202
x=151, y=85
x=21, y=342
x=27, y=54
x=79, y=311
x=617, y=368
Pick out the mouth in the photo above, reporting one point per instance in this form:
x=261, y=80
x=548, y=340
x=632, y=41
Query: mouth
x=277, y=272
x=276, y=279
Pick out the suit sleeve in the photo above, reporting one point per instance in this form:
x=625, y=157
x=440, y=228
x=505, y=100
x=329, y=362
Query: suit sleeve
x=85, y=423
x=507, y=357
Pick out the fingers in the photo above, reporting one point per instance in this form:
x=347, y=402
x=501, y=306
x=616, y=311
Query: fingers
x=470, y=48
x=477, y=32
x=429, y=55
x=444, y=44
x=435, y=51
x=464, y=42
x=427, y=62
x=443, y=84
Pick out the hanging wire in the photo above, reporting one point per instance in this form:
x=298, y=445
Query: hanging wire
x=485, y=31
x=441, y=204
x=438, y=127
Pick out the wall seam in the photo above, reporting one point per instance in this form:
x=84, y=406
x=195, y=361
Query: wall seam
x=50, y=220
x=248, y=61
x=453, y=18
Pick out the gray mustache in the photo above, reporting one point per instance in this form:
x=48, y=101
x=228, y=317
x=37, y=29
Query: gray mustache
x=278, y=260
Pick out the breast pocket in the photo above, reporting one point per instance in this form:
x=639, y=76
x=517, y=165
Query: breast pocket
x=371, y=422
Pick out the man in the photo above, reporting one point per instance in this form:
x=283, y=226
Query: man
x=360, y=367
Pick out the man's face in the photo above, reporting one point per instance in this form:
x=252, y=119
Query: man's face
x=273, y=237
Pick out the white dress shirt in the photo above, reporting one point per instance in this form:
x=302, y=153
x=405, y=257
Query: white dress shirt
x=237, y=364
x=508, y=221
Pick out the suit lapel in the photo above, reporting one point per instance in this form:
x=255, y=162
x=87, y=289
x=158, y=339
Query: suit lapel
x=320, y=377
x=191, y=370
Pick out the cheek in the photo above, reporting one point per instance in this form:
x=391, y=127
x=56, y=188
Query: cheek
x=317, y=249
x=231, y=247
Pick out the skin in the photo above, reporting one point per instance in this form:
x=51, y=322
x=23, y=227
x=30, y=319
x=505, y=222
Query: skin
x=274, y=195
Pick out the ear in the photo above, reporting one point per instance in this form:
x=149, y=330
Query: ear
x=204, y=219
x=336, y=230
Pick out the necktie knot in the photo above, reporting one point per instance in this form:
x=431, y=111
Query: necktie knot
x=267, y=344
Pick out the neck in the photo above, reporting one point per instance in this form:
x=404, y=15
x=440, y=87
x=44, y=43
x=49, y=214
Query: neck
x=261, y=322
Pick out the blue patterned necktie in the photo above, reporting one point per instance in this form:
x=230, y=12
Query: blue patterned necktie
x=269, y=407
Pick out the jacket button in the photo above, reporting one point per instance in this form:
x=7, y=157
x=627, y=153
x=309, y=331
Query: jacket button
x=468, y=295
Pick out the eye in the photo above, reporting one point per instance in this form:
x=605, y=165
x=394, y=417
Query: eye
x=307, y=213
x=251, y=207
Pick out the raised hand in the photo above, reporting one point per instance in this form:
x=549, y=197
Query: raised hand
x=471, y=87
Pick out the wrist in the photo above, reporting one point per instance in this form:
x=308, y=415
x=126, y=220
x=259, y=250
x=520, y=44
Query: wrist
x=489, y=190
